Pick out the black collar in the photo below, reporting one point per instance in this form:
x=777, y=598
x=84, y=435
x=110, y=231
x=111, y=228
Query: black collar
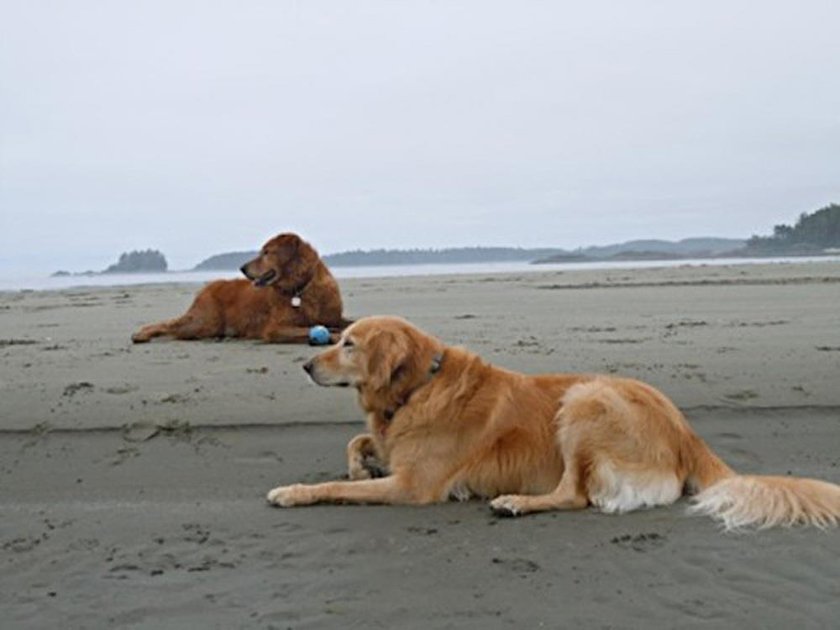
x=297, y=292
x=389, y=413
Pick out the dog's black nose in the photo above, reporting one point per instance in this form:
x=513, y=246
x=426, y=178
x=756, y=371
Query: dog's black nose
x=243, y=269
x=308, y=367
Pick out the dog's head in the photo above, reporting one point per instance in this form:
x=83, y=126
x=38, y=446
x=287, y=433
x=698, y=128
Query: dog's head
x=377, y=354
x=286, y=261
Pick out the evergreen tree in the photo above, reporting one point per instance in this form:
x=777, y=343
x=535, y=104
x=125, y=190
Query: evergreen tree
x=811, y=232
x=150, y=260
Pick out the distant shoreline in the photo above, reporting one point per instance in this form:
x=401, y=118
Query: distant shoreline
x=570, y=259
x=659, y=257
x=192, y=277
x=649, y=249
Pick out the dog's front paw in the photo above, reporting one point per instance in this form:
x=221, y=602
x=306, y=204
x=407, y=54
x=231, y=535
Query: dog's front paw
x=290, y=496
x=357, y=470
x=366, y=467
x=506, y=505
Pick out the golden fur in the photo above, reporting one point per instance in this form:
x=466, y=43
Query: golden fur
x=288, y=290
x=529, y=443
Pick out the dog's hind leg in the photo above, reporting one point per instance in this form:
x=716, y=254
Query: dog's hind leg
x=202, y=320
x=570, y=494
x=567, y=496
x=150, y=331
x=187, y=326
x=618, y=448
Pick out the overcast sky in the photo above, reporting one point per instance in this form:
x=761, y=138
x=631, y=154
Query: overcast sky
x=203, y=127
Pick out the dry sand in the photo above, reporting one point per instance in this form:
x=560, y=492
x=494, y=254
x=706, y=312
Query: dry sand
x=132, y=477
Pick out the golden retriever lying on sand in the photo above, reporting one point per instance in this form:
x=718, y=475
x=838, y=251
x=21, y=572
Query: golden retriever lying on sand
x=447, y=424
x=288, y=290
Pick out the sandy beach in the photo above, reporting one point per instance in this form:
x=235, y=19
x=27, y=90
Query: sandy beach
x=132, y=478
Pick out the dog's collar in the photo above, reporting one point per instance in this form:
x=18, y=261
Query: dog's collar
x=297, y=293
x=390, y=412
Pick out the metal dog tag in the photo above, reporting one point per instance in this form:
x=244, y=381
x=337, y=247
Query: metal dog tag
x=296, y=301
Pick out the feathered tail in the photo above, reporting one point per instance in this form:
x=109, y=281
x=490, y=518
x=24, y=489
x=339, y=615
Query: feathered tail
x=747, y=501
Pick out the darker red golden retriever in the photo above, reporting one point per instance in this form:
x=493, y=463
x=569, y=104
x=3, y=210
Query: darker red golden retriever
x=443, y=423
x=288, y=290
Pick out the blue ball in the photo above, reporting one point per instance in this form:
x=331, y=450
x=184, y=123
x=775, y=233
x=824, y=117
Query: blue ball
x=319, y=335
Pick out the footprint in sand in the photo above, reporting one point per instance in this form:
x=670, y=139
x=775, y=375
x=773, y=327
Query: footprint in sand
x=640, y=542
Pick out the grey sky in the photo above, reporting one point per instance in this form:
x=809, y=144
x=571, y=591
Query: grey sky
x=202, y=127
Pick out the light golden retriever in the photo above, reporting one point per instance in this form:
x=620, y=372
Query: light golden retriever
x=445, y=424
x=288, y=290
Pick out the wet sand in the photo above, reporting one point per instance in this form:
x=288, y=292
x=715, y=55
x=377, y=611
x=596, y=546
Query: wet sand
x=132, y=478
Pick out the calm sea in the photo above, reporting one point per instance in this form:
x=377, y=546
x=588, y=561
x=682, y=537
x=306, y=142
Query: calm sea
x=45, y=283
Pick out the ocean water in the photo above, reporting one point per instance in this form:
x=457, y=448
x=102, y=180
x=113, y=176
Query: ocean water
x=47, y=283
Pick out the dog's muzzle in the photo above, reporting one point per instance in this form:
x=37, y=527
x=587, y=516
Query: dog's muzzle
x=310, y=368
x=266, y=279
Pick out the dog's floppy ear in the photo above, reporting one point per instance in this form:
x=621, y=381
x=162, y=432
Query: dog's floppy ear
x=302, y=261
x=288, y=244
x=388, y=356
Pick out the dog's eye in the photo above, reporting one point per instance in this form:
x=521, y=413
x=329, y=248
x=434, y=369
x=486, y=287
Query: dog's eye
x=347, y=344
